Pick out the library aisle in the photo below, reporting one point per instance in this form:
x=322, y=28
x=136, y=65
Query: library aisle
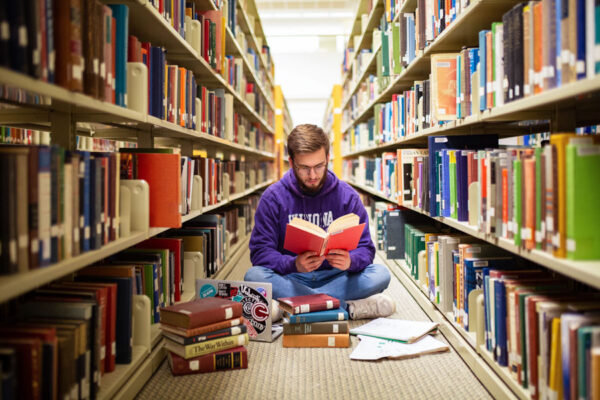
x=275, y=372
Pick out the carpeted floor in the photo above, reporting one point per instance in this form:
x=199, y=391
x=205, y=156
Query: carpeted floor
x=275, y=372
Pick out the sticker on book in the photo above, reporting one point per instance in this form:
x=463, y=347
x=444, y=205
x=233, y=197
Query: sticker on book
x=255, y=307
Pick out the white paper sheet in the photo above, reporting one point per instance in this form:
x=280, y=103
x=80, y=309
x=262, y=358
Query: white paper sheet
x=395, y=329
x=371, y=348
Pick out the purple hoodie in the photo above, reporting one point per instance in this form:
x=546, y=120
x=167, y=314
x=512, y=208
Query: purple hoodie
x=284, y=200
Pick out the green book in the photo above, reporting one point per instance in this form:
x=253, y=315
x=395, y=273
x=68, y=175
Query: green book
x=585, y=337
x=517, y=200
x=397, y=62
x=583, y=197
x=452, y=170
x=539, y=203
x=385, y=53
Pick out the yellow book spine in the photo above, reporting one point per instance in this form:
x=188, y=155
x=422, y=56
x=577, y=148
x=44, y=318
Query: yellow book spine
x=211, y=346
x=555, y=386
x=559, y=142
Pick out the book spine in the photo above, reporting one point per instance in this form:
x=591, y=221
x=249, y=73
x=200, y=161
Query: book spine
x=211, y=346
x=317, y=340
x=235, y=358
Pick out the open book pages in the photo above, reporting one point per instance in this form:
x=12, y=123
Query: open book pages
x=395, y=329
x=308, y=227
x=371, y=348
x=337, y=225
x=343, y=222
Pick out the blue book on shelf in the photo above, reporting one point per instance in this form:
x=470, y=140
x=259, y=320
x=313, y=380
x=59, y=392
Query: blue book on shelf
x=482, y=70
x=581, y=41
x=338, y=314
x=557, y=29
x=438, y=143
x=462, y=185
x=44, y=159
x=50, y=53
x=84, y=200
x=445, y=188
x=474, y=273
x=501, y=349
x=121, y=15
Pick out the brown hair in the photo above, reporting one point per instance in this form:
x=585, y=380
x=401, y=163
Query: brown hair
x=307, y=138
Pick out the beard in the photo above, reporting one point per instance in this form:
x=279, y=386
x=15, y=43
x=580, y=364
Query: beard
x=310, y=190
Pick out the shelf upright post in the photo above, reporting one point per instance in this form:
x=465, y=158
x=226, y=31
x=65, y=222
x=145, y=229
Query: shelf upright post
x=563, y=120
x=337, y=130
x=279, y=130
x=63, y=126
x=145, y=138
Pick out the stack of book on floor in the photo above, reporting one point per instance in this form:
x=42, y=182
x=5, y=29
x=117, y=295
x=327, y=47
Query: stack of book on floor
x=204, y=335
x=314, y=320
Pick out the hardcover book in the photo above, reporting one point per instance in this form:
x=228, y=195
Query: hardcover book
x=232, y=331
x=201, y=329
x=200, y=312
x=317, y=340
x=315, y=327
x=308, y=303
x=396, y=329
x=235, y=358
x=343, y=233
x=207, y=347
x=338, y=314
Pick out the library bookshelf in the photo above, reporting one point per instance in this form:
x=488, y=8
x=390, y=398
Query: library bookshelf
x=63, y=113
x=560, y=109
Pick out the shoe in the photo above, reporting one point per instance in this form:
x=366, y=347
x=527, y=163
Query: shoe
x=378, y=305
x=276, y=312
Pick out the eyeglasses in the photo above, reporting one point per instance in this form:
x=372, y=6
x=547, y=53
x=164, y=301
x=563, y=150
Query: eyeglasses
x=304, y=170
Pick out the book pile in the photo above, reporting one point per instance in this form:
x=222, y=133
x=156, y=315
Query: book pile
x=204, y=335
x=314, y=320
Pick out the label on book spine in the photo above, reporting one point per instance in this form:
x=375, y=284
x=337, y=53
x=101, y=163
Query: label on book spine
x=331, y=341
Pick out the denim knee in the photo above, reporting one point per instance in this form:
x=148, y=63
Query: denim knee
x=255, y=274
x=382, y=275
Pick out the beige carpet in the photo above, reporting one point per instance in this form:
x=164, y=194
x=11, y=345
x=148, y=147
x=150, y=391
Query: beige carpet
x=278, y=373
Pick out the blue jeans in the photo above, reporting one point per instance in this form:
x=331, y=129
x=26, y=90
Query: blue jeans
x=342, y=285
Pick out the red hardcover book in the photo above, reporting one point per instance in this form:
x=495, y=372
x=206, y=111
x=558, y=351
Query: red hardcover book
x=228, y=323
x=235, y=358
x=343, y=233
x=217, y=18
x=161, y=171
x=174, y=246
x=308, y=303
x=528, y=233
x=134, y=50
x=489, y=70
x=181, y=92
x=200, y=312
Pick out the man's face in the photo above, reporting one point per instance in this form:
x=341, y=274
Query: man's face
x=311, y=170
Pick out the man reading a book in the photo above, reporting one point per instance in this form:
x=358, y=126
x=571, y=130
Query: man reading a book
x=313, y=193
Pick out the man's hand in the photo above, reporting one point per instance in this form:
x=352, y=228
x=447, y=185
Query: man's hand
x=339, y=259
x=308, y=261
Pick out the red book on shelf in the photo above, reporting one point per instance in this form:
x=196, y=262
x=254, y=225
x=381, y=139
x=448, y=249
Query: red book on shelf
x=200, y=312
x=343, y=233
x=308, y=303
x=161, y=171
x=217, y=18
x=134, y=50
x=235, y=358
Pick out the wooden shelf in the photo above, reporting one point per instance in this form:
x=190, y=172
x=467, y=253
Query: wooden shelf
x=587, y=272
x=234, y=256
x=16, y=284
x=245, y=26
x=259, y=32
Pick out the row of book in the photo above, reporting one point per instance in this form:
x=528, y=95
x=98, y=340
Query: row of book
x=99, y=64
x=57, y=204
x=205, y=335
x=314, y=321
x=509, y=64
x=534, y=323
x=67, y=335
x=536, y=197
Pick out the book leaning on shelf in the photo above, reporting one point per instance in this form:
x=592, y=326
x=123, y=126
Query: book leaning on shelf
x=343, y=233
